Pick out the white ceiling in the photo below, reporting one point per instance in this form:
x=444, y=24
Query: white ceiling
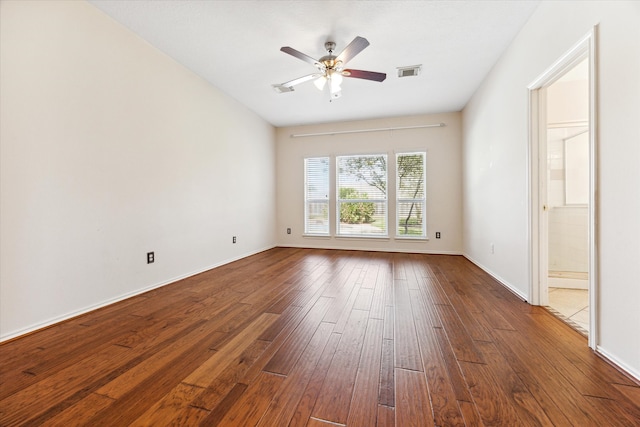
x=235, y=45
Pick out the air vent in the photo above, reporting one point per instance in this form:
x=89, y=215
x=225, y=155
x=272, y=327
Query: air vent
x=412, y=71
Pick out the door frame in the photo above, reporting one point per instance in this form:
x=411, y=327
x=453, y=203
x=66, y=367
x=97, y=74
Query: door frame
x=538, y=244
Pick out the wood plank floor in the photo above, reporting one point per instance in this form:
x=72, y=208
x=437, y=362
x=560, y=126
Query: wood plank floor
x=300, y=337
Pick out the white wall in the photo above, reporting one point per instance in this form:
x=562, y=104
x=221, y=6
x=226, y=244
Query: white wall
x=110, y=149
x=495, y=160
x=443, y=169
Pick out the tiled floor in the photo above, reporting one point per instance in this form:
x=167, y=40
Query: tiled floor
x=572, y=305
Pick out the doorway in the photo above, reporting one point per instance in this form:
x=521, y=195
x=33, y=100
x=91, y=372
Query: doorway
x=567, y=206
x=562, y=177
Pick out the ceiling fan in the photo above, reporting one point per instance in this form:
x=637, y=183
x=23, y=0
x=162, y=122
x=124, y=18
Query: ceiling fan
x=331, y=68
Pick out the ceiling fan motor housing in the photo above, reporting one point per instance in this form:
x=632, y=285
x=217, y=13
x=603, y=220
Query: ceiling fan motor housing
x=330, y=47
x=329, y=61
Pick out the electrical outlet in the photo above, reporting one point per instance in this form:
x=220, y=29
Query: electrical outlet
x=234, y=239
x=493, y=249
x=150, y=257
x=288, y=231
x=437, y=234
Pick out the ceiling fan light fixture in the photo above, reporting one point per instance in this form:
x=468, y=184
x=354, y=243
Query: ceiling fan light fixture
x=334, y=82
x=336, y=77
x=320, y=82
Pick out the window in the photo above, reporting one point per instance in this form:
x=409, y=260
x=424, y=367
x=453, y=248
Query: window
x=410, y=195
x=316, y=195
x=362, y=195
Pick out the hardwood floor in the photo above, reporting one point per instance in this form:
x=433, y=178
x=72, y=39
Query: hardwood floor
x=295, y=337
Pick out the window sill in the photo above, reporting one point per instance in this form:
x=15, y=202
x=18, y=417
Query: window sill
x=361, y=237
x=411, y=239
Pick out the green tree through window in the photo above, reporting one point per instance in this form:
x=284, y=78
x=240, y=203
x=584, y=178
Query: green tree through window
x=410, y=194
x=362, y=195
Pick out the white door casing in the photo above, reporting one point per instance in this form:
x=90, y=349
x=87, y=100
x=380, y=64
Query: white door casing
x=538, y=212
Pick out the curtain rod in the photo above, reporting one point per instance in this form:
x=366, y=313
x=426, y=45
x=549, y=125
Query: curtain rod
x=341, y=132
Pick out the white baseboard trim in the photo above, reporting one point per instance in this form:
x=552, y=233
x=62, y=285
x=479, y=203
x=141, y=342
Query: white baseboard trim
x=612, y=359
x=71, y=315
x=503, y=282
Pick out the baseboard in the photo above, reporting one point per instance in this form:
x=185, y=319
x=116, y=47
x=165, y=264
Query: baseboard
x=68, y=316
x=617, y=364
x=506, y=284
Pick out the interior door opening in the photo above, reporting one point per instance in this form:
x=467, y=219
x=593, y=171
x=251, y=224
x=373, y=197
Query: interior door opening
x=562, y=177
x=567, y=217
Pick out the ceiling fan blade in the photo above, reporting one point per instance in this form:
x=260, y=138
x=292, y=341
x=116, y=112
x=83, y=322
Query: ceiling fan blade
x=291, y=51
x=355, y=47
x=288, y=86
x=367, y=75
x=301, y=79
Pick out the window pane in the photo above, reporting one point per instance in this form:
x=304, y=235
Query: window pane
x=366, y=176
x=410, y=195
x=317, y=218
x=410, y=176
x=362, y=195
x=316, y=195
x=363, y=218
x=317, y=178
x=410, y=219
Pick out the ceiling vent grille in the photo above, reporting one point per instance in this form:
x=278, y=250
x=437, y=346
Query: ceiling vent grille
x=411, y=71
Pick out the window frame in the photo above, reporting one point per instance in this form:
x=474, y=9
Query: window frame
x=384, y=202
x=325, y=200
x=422, y=200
